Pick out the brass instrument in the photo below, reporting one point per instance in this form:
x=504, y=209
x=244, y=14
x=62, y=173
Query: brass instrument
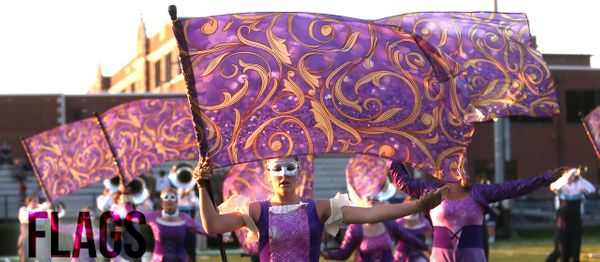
x=181, y=176
x=137, y=188
x=112, y=184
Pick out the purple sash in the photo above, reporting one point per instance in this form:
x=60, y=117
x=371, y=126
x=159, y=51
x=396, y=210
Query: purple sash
x=467, y=237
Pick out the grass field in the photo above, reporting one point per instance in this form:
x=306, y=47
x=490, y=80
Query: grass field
x=535, y=245
x=529, y=246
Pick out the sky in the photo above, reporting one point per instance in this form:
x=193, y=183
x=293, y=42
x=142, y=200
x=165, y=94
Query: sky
x=55, y=47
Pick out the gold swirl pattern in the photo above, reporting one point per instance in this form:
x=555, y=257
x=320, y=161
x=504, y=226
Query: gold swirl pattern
x=149, y=132
x=71, y=157
x=280, y=84
x=506, y=76
x=404, y=87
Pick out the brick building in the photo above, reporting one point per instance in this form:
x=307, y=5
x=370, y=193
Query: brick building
x=541, y=144
x=154, y=69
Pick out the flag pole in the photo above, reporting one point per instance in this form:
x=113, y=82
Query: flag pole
x=587, y=131
x=35, y=171
x=202, y=146
x=112, y=150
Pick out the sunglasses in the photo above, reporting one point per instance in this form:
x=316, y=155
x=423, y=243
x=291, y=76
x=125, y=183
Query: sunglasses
x=169, y=198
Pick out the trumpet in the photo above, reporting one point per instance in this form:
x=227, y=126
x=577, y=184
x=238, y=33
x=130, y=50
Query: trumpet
x=181, y=176
x=582, y=169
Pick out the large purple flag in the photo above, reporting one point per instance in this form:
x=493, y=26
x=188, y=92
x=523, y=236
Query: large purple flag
x=275, y=84
x=149, y=132
x=506, y=75
x=591, y=123
x=70, y=157
x=250, y=180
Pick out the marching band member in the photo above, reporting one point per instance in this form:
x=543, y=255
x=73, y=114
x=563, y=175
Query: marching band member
x=289, y=227
x=458, y=220
x=413, y=241
x=169, y=227
x=570, y=190
x=32, y=204
x=368, y=185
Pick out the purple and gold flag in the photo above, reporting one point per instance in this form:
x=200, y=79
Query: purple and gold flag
x=506, y=75
x=149, y=132
x=251, y=180
x=71, y=157
x=591, y=123
x=277, y=84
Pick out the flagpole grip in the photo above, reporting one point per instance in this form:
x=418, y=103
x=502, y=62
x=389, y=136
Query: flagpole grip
x=197, y=121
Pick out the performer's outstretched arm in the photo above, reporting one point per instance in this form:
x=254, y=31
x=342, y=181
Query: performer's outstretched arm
x=559, y=183
x=381, y=213
x=351, y=241
x=407, y=184
x=496, y=192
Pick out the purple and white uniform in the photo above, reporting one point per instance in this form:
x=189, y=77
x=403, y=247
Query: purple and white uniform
x=457, y=223
x=410, y=241
x=370, y=248
x=289, y=235
x=169, y=236
x=287, y=232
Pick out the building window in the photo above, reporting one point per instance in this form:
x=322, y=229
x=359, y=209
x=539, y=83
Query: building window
x=157, y=80
x=168, y=67
x=581, y=102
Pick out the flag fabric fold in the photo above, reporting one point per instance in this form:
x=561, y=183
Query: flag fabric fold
x=148, y=132
x=506, y=75
x=266, y=85
x=71, y=157
x=591, y=123
x=366, y=177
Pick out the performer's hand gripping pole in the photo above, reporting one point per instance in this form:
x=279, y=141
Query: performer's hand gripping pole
x=202, y=146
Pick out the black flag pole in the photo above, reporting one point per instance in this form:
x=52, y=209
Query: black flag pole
x=589, y=134
x=35, y=171
x=202, y=146
x=112, y=151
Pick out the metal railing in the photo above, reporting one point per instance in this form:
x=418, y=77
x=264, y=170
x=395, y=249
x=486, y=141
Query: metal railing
x=9, y=205
x=539, y=212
